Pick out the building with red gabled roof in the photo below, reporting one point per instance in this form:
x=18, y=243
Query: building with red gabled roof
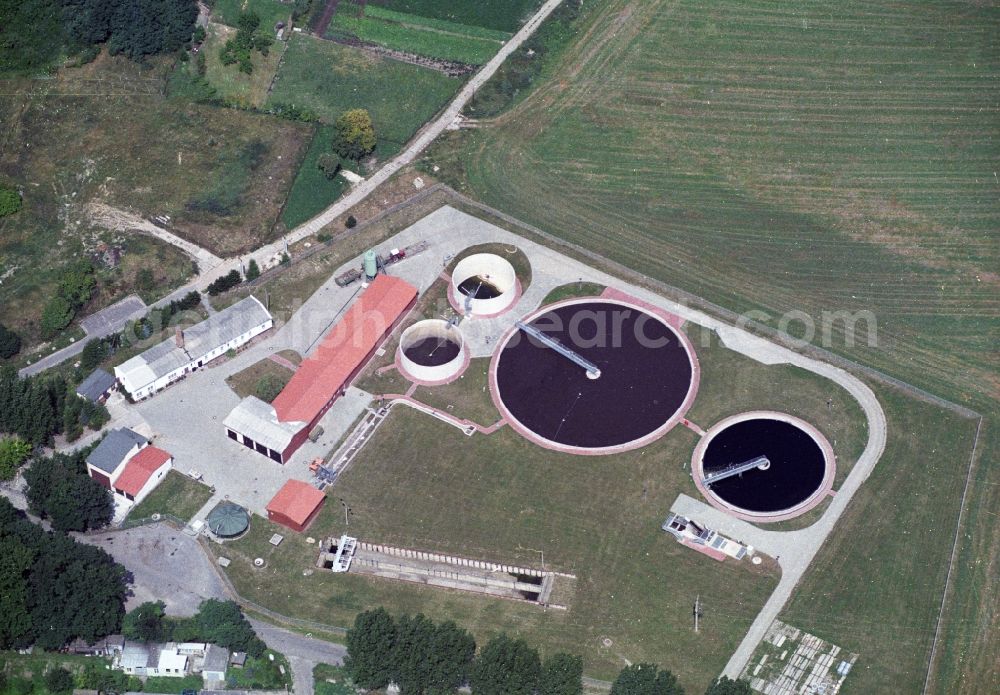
x=296, y=505
x=278, y=429
x=142, y=473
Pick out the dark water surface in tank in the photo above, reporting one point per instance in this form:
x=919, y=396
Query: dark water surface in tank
x=645, y=375
x=796, y=471
x=478, y=287
x=432, y=352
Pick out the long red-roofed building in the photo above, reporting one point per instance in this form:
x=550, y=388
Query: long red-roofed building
x=278, y=429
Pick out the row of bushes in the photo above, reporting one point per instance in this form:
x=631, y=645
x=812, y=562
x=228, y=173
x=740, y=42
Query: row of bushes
x=524, y=66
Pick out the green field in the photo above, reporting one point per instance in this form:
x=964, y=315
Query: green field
x=269, y=11
x=311, y=191
x=507, y=15
x=178, y=495
x=501, y=497
x=329, y=79
x=105, y=132
x=818, y=158
x=880, y=597
x=232, y=85
x=444, y=40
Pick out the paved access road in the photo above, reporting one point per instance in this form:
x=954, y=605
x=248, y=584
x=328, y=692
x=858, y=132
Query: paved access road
x=211, y=266
x=303, y=653
x=170, y=566
x=98, y=325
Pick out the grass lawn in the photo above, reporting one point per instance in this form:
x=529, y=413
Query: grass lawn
x=229, y=82
x=311, y=191
x=820, y=158
x=244, y=383
x=875, y=588
x=502, y=16
x=331, y=680
x=173, y=686
x=329, y=79
x=436, y=39
x=177, y=495
x=261, y=674
x=269, y=11
x=500, y=497
x=32, y=667
x=572, y=290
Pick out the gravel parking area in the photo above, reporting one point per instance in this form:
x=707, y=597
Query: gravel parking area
x=166, y=564
x=114, y=317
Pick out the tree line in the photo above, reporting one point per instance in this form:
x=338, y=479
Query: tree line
x=60, y=490
x=218, y=622
x=53, y=589
x=36, y=408
x=33, y=33
x=422, y=657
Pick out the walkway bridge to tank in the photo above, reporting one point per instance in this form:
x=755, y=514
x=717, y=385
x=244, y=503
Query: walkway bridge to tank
x=761, y=462
x=548, y=341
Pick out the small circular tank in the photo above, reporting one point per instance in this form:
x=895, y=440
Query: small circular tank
x=228, y=520
x=483, y=284
x=432, y=352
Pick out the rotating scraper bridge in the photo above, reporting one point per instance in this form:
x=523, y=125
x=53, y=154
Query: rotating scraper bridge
x=548, y=341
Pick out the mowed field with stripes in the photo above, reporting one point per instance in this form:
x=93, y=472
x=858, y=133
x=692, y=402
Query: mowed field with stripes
x=824, y=157
x=804, y=157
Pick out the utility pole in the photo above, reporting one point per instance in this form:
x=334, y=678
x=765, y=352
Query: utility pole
x=347, y=511
x=697, y=611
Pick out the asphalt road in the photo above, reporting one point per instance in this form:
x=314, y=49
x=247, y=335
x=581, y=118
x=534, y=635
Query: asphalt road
x=155, y=554
x=303, y=653
x=211, y=266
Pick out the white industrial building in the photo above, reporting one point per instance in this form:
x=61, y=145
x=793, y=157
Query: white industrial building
x=194, y=347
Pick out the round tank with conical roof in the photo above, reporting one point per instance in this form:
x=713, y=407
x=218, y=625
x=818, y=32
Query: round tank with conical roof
x=228, y=520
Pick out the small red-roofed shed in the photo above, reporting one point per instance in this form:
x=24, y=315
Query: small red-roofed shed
x=296, y=505
x=142, y=473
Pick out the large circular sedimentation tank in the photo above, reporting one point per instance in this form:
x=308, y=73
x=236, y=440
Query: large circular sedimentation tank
x=483, y=284
x=647, y=377
x=432, y=352
x=797, y=475
x=228, y=520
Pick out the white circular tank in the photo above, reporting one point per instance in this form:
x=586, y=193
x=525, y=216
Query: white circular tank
x=432, y=351
x=484, y=284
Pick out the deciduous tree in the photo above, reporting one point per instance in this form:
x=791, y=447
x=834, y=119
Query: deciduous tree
x=505, y=666
x=145, y=623
x=354, y=135
x=725, y=686
x=562, y=674
x=370, y=649
x=645, y=679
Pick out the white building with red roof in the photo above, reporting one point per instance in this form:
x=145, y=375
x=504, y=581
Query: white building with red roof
x=127, y=465
x=277, y=429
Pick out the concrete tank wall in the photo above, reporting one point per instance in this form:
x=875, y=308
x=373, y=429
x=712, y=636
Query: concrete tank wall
x=431, y=328
x=498, y=271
